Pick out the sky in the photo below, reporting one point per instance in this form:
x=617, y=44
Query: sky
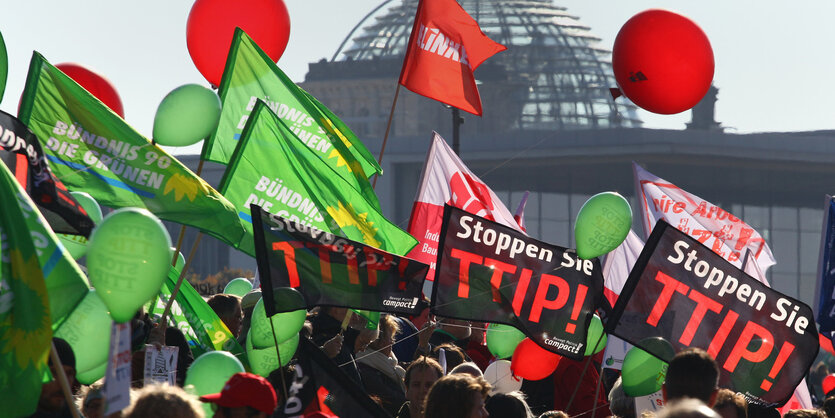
x=773, y=59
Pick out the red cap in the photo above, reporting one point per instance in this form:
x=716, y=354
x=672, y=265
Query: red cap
x=245, y=389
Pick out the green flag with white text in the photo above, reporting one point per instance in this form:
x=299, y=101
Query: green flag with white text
x=92, y=149
x=274, y=170
x=25, y=331
x=250, y=75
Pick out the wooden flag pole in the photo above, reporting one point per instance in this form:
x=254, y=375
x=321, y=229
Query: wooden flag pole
x=386, y=136
x=62, y=379
x=183, y=227
x=180, y=279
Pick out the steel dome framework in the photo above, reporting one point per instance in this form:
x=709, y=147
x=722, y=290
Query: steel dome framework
x=557, y=58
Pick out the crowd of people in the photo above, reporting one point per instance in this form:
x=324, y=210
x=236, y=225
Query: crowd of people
x=412, y=367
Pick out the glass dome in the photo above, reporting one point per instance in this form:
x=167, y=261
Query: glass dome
x=567, y=74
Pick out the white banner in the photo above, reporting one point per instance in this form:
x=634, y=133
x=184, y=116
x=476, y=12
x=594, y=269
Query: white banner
x=118, y=376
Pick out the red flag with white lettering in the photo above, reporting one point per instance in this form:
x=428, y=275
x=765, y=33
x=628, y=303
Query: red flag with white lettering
x=726, y=234
x=447, y=180
x=445, y=47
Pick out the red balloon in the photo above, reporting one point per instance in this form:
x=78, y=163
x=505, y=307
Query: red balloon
x=96, y=84
x=662, y=61
x=211, y=26
x=828, y=383
x=532, y=362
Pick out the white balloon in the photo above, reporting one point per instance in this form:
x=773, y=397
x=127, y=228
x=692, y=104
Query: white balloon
x=501, y=378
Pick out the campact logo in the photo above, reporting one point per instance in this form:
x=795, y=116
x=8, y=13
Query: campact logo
x=398, y=302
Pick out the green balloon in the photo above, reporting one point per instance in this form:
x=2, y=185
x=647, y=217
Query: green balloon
x=87, y=331
x=210, y=372
x=238, y=287
x=4, y=66
x=128, y=259
x=593, y=334
x=643, y=373
x=186, y=115
x=503, y=339
x=286, y=324
x=88, y=377
x=77, y=244
x=264, y=360
x=602, y=224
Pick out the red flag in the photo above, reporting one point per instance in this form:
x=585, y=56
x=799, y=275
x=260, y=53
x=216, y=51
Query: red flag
x=445, y=47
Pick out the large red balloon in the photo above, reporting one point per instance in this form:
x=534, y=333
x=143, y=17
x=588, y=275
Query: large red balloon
x=663, y=61
x=532, y=362
x=211, y=26
x=96, y=84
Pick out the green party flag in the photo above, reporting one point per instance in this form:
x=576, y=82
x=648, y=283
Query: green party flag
x=25, y=332
x=250, y=75
x=210, y=332
x=274, y=170
x=90, y=148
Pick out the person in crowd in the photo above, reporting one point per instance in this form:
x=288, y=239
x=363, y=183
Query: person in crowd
x=685, y=407
x=337, y=344
x=457, y=396
x=406, y=340
x=364, y=338
x=828, y=406
x=228, y=309
x=553, y=414
x=419, y=378
x=244, y=395
x=381, y=374
x=621, y=404
x=163, y=401
x=452, y=331
x=92, y=405
x=452, y=356
x=467, y=367
x=508, y=405
x=144, y=331
x=52, y=402
x=692, y=373
x=730, y=404
x=476, y=348
x=804, y=413
x=248, y=303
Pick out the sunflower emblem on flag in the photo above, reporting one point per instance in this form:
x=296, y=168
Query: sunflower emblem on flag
x=347, y=217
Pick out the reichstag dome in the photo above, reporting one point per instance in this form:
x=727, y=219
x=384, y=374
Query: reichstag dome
x=551, y=127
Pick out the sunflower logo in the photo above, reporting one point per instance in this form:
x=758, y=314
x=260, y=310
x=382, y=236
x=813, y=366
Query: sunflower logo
x=27, y=331
x=181, y=186
x=347, y=216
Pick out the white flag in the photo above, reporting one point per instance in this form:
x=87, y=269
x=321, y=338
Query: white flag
x=721, y=231
x=447, y=180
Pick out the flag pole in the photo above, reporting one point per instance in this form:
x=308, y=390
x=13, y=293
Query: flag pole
x=280, y=365
x=386, y=136
x=457, y=120
x=183, y=227
x=180, y=279
x=62, y=379
x=583, y=374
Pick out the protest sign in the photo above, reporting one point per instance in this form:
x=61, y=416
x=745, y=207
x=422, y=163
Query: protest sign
x=118, y=375
x=161, y=364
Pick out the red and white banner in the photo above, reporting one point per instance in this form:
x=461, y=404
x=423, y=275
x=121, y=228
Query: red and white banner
x=445, y=47
x=721, y=231
x=618, y=264
x=446, y=180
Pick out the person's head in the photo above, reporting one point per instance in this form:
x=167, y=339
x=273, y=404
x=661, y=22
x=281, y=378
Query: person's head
x=91, y=406
x=829, y=406
x=467, y=367
x=420, y=319
x=621, y=404
x=388, y=330
x=244, y=395
x=458, y=328
x=453, y=354
x=804, y=413
x=510, y=405
x=687, y=408
x=164, y=401
x=420, y=376
x=553, y=414
x=692, y=373
x=228, y=309
x=457, y=396
x=730, y=404
x=52, y=397
x=364, y=338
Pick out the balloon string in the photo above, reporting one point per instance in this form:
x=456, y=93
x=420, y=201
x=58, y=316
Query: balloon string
x=582, y=375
